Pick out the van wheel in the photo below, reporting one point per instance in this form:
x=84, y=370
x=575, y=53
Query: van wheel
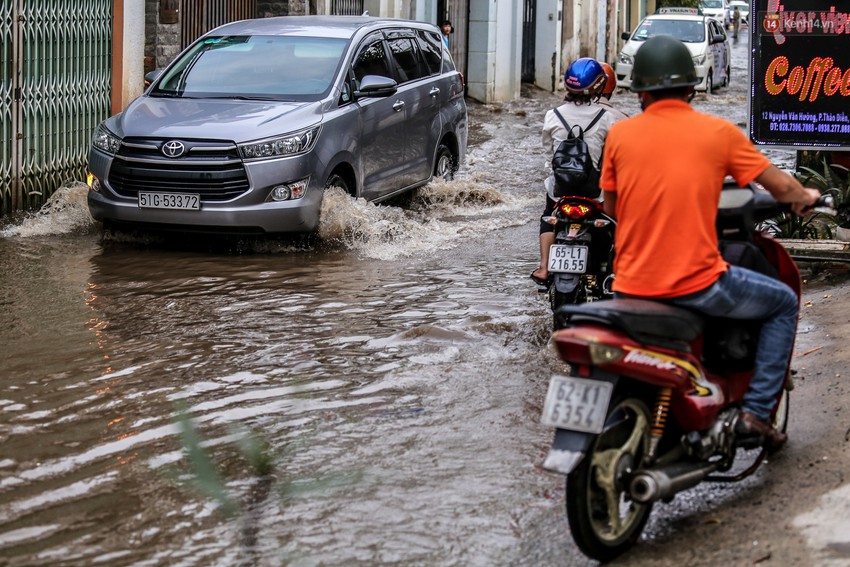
x=709, y=83
x=728, y=78
x=336, y=180
x=445, y=165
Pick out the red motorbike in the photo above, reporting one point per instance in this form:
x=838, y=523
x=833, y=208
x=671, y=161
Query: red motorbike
x=650, y=405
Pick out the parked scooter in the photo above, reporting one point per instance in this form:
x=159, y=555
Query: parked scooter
x=580, y=260
x=654, y=391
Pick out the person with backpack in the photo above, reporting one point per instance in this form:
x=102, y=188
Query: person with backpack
x=574, y=134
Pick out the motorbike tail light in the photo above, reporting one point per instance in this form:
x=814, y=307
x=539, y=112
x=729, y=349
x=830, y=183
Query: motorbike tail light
x=605, y=354
x=575, y=212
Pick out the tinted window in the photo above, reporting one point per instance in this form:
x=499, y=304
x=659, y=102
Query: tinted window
x=431, y=47
x=266, y=67
x=407, y=59
x=371, y=59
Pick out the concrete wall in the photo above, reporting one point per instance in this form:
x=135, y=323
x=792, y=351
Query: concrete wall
x=494, y=54
x=128, y=53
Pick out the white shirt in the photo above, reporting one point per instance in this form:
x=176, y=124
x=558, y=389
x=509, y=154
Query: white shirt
x=576, y=115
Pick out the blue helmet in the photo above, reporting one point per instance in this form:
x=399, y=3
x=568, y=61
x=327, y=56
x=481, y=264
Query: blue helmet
x=585, y=76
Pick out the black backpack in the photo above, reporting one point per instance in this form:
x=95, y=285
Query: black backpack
x=574, y=170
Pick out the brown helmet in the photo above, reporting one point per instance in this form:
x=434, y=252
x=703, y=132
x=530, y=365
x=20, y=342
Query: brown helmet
x=610, y=80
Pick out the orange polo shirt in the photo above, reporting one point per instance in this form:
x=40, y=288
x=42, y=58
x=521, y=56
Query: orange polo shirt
x=667, y=166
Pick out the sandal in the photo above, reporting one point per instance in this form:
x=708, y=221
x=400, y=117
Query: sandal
x=540, y=281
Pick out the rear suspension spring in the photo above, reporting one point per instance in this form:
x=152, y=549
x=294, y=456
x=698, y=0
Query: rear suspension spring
x=659, y=419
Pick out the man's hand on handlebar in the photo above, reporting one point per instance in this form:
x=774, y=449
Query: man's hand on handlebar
x=807, y=204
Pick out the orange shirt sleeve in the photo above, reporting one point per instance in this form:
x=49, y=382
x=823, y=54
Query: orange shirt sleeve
x=745, y=161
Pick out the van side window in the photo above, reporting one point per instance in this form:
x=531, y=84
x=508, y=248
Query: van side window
x=371, y=59
x=431, y=46
x=407, y=59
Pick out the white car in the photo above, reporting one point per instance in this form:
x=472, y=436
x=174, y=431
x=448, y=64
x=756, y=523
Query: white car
x=718, y=10
x=743, y=9
x=704, y=37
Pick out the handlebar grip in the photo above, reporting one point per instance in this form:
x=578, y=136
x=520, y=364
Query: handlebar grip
x=827, y=201
x=824, y=201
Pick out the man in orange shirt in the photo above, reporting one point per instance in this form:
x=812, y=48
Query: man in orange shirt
x=662, y=174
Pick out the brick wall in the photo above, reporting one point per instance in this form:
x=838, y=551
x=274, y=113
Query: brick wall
x=162, y=41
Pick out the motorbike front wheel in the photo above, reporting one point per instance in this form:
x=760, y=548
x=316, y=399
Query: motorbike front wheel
x=603, y=519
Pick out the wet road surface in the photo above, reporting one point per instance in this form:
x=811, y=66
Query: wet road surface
x=392, y=373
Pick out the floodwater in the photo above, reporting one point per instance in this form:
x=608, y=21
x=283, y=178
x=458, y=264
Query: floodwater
x=390, y=371
x=367, y=397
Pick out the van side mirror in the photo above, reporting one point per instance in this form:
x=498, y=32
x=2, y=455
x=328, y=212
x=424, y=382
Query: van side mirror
x=625, y=35
x=376, y=86
x=152, y=76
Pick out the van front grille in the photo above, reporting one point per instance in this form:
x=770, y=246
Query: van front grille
x=211, y=169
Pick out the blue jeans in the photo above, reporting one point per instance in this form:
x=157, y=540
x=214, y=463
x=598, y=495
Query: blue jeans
x=744, y=294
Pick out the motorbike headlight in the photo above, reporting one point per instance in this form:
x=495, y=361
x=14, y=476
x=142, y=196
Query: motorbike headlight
x=699, y=60
x=625, y=58
x=288, y=145
x=105, y=141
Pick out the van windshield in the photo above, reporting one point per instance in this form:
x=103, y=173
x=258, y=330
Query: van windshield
x=254, y=67
x=688, y=31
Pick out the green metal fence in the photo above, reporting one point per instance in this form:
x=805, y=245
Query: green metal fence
x=56, y=73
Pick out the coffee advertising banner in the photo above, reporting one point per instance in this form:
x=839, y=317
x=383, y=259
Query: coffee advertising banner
x=800, y=72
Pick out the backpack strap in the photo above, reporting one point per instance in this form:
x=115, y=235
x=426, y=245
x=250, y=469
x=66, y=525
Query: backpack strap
x=581, y=130
x=595, y=120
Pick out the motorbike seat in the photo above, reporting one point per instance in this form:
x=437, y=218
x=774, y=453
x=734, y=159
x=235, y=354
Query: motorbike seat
x=648, y=322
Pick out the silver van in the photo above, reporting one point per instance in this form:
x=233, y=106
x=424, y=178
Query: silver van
x=245, y=130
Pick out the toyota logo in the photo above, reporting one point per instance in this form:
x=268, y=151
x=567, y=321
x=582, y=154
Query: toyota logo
x=173, y=149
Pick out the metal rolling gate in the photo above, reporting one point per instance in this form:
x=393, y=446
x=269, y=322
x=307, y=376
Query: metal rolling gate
x=56, y=76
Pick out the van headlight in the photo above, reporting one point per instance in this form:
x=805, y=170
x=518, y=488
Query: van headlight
x=288, y=145
x=625, y=58
x=699, y=60
x=105, y=141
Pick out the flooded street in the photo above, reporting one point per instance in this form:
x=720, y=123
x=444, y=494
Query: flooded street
x=389, y=375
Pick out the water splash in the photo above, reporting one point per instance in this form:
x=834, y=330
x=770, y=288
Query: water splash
x=432, y=217
x=64, y=212
x=436, y=217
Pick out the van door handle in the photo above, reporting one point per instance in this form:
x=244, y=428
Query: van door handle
x=434, y=92
x=399, y=104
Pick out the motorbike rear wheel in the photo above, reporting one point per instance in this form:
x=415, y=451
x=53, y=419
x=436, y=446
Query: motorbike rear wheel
x=603, y=519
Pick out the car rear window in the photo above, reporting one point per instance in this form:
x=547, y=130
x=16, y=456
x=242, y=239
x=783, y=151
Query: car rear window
x=262, y=67
x=688, y=31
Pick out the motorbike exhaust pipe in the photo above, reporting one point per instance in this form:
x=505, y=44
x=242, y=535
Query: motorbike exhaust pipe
x=663, y=482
